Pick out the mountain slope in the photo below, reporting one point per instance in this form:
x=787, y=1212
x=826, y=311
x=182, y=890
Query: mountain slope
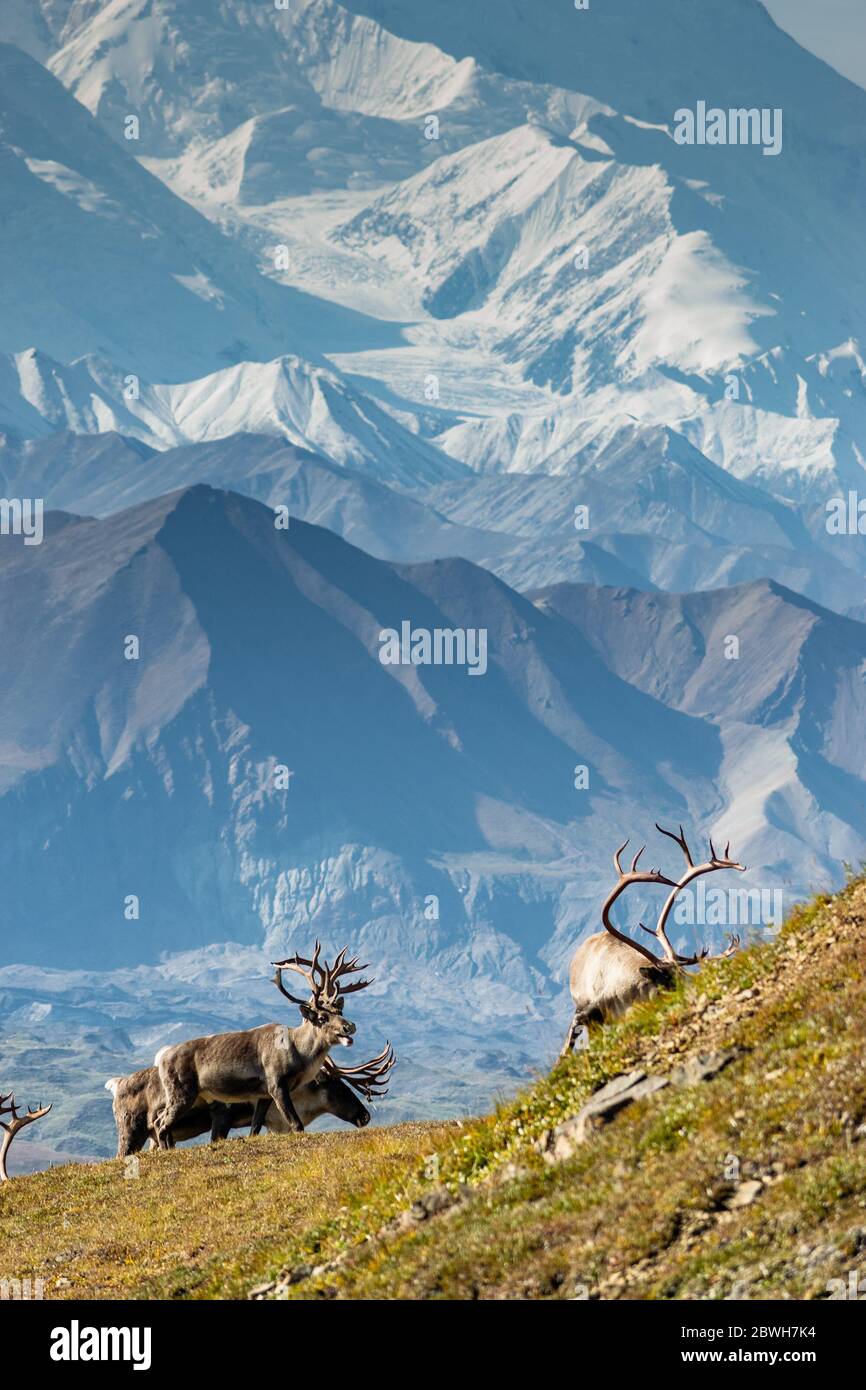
x=201, y=577
x=658, y=514
x=796, y=672
x=472, y=1211
x=310, y=406
x=748, y=1185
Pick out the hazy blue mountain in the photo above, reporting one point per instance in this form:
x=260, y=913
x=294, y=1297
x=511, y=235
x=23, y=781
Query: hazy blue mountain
x=261, y=647
x=659, y=515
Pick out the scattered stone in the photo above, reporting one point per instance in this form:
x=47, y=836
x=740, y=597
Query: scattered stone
x=745, y=1194
x=702, y=1067
x=739, y=1292
x=812, y=1257
x=854, y=1242
x=557, y=1145
x=438, y=1199
x=509, y=1172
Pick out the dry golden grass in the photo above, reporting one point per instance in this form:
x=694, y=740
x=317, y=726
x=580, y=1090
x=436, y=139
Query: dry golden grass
x=199, y=1222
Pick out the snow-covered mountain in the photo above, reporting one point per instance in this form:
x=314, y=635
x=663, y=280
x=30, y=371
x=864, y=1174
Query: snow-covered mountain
x=445, y=269
x=659, y=514
x=311, y=407
x=101, y=258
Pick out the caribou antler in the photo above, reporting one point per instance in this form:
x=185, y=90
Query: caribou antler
x=343, y=967
x=325, y=980
x=693, y=871
x=370, y=1078
x=626, y=878
x=13, y=1126
x=311, y=970
x=704, y=953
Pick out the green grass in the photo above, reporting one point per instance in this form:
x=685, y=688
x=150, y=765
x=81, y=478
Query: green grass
x=640, y=1211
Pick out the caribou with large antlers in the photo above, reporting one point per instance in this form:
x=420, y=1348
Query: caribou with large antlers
x=262, y=1065
x=138, y=1098
x=610, y=971
x=15, y=1125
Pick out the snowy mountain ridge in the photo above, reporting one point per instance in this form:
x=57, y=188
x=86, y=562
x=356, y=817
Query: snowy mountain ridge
x=456, y=255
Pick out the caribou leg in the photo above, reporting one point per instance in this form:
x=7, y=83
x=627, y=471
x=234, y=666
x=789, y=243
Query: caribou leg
x=281, y=1095
x=261, y=1109
x=180, y=1090
x=577, y=1023
x=220, y=1121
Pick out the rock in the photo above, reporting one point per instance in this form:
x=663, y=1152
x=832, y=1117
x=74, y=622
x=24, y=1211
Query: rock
x=438, y=1199
x=557, y=1145
x=745, y=1194
x=702, y=1067
x=433, y=1203
x=510, y=1172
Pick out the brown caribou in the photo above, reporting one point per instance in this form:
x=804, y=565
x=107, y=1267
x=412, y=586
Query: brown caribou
x=261, y=1065
x=137, y=1099
x=609, y=971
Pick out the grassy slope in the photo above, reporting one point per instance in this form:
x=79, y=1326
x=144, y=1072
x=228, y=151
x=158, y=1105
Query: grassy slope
x=641, y=1211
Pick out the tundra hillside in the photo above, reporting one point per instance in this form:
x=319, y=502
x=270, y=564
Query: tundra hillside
x=744, y=1176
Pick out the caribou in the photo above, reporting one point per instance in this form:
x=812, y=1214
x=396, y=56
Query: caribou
x=610, y=971
x=137, y=1099
x=261, y=1065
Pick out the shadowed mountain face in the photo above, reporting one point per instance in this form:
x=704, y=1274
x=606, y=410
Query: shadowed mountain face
x=259, y=648
x=257, y=734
